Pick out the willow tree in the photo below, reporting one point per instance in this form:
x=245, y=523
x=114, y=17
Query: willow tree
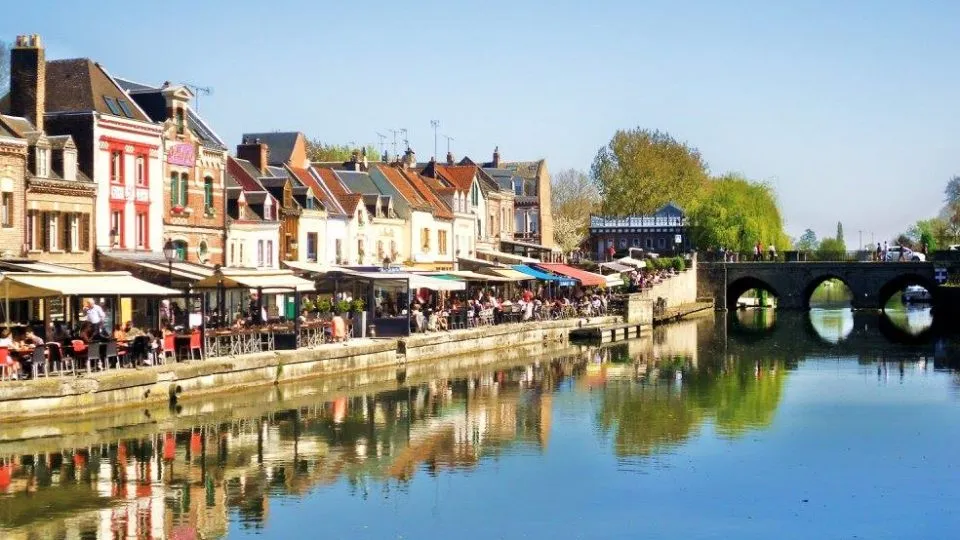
x=736, y=213
x=640, y=170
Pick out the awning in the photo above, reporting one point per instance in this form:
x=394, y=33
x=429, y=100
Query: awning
x=416, y=281
x=473, y=261
x=529, y=245
x=509, y=274
x=464, y=275
x=614, y=280
x=185, y=270
x=632, y=262
x=500, y=256
x=16, y=285
x=26, y=265
x=587, y=279
x=617, y=267
x=543, y=276
x=270, y=281
x=312, y=267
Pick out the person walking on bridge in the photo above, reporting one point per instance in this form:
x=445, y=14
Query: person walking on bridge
x=885, y=250
x=773, y=253
x=757, y=252
x=879, y=253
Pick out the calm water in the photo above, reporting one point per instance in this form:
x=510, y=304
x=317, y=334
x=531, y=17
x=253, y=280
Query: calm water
x=831, y=424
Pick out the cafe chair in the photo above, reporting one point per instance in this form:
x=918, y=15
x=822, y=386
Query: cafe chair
x=6, y=364
x=169, y=347
x=39, y=360
x=196, y=345
x=95, y=354
x=113, y=352
x=80, y=351
x=57, y=360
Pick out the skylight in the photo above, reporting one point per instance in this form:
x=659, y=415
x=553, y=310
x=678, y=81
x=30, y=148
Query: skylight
x=125, y=107
x=112, y=105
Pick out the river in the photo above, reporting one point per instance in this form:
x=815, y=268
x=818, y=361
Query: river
x=756, y=424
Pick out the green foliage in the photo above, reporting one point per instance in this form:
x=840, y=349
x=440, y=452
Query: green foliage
x=840, y=232
x=641, y=170
x=952, y=192
x=573, y=197
x=807, y=242
x=736, y=213
x=343, y=307
x=307, y=304
x=325, y=152
x=358, y=305
x=678, y=264
x=831, y=249
x=324, y=305
x=932, y=232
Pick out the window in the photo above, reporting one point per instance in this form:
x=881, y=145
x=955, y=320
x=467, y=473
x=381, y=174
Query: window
x=474, y=195
x=85, y=232
x=442, y=242
x=116, y=167
x=393, y=250
x=112, y=105
x=180, y=250
x=425, y=239
x=208, y=193
x=53, y=219
x=31, y=232
x=635, y=242
x=125, y=107
x=141, y=230
x=233, y=254
x=338, y=249
x=623, y=243
x=116, y=227
x=43, y=165
x=260, y=253
x=517, y=187
x=69, y=165
x=534, y=221
x=649, y=243
x=140, y=171
x=174, y=189
x=661, y=243
x=74, y=233
x=380, y=253
x=269, y=252
x=312, y=247
x=184, y=186
x=240, y=258
x=202, y=250
x=180, y=121
x=309, y=203
x=6, y=209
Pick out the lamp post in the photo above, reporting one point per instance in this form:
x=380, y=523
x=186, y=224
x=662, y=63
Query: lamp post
x=169, y=251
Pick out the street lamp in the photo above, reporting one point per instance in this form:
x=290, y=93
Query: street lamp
x=169, y=251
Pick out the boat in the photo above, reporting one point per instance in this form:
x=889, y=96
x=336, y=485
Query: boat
x=915, y=294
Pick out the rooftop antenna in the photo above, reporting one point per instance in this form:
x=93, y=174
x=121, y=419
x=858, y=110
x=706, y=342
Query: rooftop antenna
x=406, y=141
x=449, y=140
x=394, y=131
x=434, y=124
x=382, y=143
x=197, y=91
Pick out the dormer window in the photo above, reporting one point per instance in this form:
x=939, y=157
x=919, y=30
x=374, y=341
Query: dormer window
x=181, y=122
x=69, y=165
x=43, y=162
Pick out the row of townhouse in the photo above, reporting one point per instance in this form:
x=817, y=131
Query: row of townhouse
x=98, y=171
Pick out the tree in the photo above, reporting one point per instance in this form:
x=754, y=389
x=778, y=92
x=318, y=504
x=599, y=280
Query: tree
x=840, y=232
x=318, y=150
x=831, y=248
x=573, y=197
x=736, y=213
x=929, y=232
x=952, y=192
x=641, y=170
x=807, y=242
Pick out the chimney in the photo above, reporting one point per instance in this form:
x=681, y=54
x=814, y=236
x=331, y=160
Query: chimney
x=496, y=157
x=366, y=163
x=255, y=152
x=411, y=158
x=28, y=79
x=449, y=158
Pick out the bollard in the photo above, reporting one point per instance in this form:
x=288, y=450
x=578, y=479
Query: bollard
x=372, y=330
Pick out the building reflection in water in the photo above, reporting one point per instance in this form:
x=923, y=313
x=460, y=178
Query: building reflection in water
x=720, y=375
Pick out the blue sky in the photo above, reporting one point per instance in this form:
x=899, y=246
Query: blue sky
x=848, y=108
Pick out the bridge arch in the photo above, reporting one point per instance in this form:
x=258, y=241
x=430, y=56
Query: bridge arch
x=820, y=279
x=746, y=283
x=900, y=282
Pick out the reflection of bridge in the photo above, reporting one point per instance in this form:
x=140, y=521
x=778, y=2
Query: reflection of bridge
x=792, y=337
x=871, y=284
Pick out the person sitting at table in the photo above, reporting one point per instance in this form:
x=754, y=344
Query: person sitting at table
x=118, y=333
x=86, y=333
x=131, y=331
x=339, y=327
x=7, y=341
x=58, y=334
x=239, y=323
x=30, y=338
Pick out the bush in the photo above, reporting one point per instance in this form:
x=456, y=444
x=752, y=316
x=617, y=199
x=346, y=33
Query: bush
x=343, y=307
x=324, y=305
x=358, y=306
x=679, y=264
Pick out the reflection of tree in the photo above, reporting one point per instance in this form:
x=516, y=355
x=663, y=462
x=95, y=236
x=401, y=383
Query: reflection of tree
x=652, y=416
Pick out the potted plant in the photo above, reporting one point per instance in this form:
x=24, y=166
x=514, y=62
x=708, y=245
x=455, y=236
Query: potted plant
x=177, y=209
x=343, y=307
x=359, y=316
x=324, y=306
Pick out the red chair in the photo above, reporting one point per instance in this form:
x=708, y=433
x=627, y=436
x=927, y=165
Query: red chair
x=169, y=347
x=79, y=351
x=196, y=343
x=6, y=364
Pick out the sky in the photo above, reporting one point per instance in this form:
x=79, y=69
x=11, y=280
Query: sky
x=848, y=109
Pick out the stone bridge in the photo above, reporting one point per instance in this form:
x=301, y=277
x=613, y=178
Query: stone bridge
x=792, y=283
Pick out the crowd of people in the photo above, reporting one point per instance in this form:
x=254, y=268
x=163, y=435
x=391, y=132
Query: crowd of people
x=641, y=279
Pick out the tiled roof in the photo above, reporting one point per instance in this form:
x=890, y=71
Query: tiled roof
x=81, y=85
x=18, y=126
x=281, y=144
x=330, y=202
x=403, y=187
x=152, y=101
x=440, y=208
x=459, y=176
x=239, y=170
x=348, y=201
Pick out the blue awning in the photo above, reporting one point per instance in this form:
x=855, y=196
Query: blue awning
x=543, y=276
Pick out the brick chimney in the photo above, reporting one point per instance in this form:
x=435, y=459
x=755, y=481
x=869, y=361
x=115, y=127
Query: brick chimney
x=28, y=79
x=255, y=152
x=496, y=157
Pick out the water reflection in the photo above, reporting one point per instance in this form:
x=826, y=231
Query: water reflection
x=651, y=398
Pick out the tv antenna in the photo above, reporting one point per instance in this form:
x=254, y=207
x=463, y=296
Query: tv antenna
x=434, y=124
x=382, y=143
x=449, y=140
x=406, y=141
x=394, y=131
x=198, y=91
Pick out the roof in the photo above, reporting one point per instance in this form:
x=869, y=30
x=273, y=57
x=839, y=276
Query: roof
x=327, y=180
x=358, y=182
x=153, y=102
x=81, y=85
x=18, y=126
x=440, y=208
x=281, y=144
x=669, y=210
x=459, y=176
x=347, y=200
x=240, y=170
x=401, y=184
